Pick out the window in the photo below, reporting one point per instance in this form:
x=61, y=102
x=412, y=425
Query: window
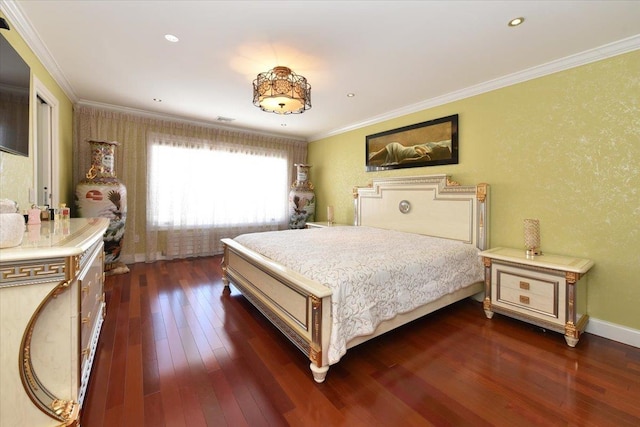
x=194, y=184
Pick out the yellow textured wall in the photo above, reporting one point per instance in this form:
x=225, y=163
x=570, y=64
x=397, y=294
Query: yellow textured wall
x=563, y=148
x=16, y=172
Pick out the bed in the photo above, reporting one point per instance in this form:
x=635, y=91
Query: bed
x=310, y=283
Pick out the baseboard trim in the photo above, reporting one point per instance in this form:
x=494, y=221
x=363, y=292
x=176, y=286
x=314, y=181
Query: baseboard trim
x=614, y=332
x=133, y=259
x=160, y=256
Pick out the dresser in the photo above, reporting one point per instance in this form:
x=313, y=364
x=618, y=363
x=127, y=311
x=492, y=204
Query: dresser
x=546, y=290
x=51, y=311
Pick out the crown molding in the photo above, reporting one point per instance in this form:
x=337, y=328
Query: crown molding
x=21, y=24
x=179, y=119
x=603, y=52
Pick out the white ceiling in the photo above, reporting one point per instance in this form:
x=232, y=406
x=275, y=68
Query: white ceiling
x=396, y=56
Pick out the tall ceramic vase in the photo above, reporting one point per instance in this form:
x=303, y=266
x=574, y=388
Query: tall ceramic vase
x=102, y=195
x=302, y=200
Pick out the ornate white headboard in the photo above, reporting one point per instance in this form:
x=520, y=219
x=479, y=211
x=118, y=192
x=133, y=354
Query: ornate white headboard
x=430, y=204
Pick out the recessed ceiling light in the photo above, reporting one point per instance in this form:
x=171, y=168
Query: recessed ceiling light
x=516, y=21
x=351, y=95
x=157, y=99
x=284, y=125
x=171, y=38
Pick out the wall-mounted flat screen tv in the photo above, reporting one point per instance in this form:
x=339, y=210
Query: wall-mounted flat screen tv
x=14, y=101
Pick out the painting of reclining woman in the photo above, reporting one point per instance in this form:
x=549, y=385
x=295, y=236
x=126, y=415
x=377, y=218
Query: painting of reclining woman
x=425, y=144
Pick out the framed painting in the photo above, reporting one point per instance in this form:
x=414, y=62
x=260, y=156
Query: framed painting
x=424, y=144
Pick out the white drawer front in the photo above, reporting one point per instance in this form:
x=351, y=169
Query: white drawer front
x=529, y=292
x=91, y=297
x=545, y=300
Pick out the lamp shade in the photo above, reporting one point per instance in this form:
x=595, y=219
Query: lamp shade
x=281, y=91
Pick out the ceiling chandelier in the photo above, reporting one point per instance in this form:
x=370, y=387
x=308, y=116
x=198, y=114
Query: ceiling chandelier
x=281, y=91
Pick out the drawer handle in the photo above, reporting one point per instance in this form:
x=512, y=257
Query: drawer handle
x=86, y=351
x=86, y=320
x=85, y=289
x=524, y=285
x=524, y=299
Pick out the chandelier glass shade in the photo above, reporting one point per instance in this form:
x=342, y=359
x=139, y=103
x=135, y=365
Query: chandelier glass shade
x=281, y=91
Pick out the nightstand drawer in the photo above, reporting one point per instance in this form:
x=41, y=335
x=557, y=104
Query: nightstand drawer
x=528, y=292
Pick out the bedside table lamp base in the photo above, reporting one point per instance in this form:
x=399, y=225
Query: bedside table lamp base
x=533, y=252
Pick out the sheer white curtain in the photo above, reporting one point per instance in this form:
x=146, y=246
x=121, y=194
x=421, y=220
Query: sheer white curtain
x=199, y=191
x=204, y=182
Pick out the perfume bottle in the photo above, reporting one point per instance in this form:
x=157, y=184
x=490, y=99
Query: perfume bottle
x=33, y=215
x=65, y=212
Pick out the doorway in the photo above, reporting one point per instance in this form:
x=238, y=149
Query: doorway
x=46, y=148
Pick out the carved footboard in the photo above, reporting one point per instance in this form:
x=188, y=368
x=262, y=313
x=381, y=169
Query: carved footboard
x=299, y=307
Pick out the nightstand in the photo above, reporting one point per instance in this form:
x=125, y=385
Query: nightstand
x=322, y=224
x=545, y=290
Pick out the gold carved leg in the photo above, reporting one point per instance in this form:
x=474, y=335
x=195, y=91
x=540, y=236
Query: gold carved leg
x=315, y=352
x=486, y=304
x=225, y=280
x=571, y=332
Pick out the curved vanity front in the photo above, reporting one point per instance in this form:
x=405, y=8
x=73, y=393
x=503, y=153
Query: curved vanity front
x=51, y=311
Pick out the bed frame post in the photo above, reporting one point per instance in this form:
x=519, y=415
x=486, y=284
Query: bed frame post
x=223, y=263
x=486, y=303
x=355, y=207
x=315, y=352
x=482, y=195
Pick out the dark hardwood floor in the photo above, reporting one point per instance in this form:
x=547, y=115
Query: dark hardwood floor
x=176, y=350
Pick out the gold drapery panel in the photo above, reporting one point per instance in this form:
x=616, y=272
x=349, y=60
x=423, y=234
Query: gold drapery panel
x=131, y=130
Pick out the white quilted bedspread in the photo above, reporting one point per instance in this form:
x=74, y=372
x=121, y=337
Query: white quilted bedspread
x=374, y=273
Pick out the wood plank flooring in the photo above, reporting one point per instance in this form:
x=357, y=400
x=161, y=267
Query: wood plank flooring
x=176, y=350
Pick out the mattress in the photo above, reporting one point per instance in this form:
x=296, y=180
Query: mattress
x=374, y=274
